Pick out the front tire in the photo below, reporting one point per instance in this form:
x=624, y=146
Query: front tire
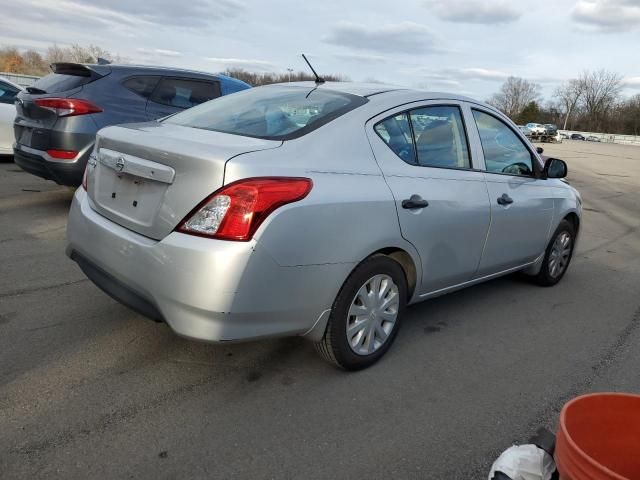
x=366, y=314
x=557, y=255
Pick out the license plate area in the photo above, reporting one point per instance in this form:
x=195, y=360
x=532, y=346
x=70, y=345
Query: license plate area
x=128, y=196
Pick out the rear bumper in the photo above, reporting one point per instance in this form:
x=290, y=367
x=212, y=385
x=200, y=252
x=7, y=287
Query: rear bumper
x=204, y=289
x=37, y=162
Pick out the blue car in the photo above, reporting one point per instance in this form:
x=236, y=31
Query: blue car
x=58, y=117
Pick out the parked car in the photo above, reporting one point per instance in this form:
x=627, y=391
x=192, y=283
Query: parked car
x=8, y=93
x=536, y=128
x=58, y=117
x=229, y=221
x=593, y=138
x=550, y=129
x=577, y=136
x=525, y=130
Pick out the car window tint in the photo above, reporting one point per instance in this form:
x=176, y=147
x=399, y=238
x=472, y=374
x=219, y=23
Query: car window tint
x=181, y=93
x=7, y=93
x=142, y=85
x=504, y=152
x=440, y=137
x=396, y=133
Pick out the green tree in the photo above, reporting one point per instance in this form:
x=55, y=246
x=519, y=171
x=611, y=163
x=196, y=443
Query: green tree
x=530, y=114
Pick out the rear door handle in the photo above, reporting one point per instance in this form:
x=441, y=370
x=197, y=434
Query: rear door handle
x=505, y=199
x=416, y=201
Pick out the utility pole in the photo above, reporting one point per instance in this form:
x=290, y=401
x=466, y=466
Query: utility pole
x=289, y=70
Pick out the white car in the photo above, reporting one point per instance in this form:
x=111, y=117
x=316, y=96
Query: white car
x=8, y=93
x=536, y=128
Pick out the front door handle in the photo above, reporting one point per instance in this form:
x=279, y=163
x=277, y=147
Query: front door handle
x=505, y=199
x=416, y=201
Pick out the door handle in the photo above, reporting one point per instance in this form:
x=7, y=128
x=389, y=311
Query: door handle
x=505, y=199
x=416, y=201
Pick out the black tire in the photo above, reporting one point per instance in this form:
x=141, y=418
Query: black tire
x=544, y=277
x=334, y=346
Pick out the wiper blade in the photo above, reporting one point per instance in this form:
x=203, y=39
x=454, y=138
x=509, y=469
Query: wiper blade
x=35, y=90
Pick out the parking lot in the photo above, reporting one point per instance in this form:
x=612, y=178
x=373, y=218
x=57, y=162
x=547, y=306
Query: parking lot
x=89, y=389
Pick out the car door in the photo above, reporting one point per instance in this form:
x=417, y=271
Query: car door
x=521, y=202
x=173, y=94
x=441, y=201
x=8, y=95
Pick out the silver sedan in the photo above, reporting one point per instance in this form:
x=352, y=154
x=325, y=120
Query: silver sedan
x=320, y=210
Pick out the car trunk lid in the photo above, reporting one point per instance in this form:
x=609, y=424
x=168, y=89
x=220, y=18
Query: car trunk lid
x=148, y=177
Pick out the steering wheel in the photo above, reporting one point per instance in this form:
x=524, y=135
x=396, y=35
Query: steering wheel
x=519, y=168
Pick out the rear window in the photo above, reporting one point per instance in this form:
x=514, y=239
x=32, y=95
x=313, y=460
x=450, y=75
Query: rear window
x=272, y=113
x=184, y=93
x=57, y=82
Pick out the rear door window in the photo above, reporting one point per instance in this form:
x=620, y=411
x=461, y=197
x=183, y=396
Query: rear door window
x=396, y=133
x=142, y=85
x=184, y=93
x=7, y=93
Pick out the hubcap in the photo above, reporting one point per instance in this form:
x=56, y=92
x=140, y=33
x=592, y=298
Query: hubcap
x=560, y=253
x=372, y=314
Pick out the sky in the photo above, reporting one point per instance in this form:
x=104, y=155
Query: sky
x=461, y=46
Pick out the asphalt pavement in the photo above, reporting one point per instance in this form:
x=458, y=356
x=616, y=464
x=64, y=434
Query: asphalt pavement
x=90, y=389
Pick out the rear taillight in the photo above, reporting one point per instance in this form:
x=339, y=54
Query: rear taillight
x=62, y=154
x=67, y=107
x=236, y=211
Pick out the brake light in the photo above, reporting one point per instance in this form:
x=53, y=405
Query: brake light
x=62, y=154
x=237, y=210
x=67, y=107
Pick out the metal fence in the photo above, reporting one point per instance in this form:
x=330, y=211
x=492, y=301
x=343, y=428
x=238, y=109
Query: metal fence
x=18, y=78
x=608, y=137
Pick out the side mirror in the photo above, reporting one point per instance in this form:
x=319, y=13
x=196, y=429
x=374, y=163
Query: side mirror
x=540, y=150
x=555, y=168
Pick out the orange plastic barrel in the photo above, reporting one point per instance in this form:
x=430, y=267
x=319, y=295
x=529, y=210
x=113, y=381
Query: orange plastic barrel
x=599, y=438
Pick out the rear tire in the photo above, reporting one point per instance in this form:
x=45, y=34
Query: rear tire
x=366, y=314
x=557, y=256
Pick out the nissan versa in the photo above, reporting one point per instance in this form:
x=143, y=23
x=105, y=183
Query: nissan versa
x=319, y=210
x=59, y=115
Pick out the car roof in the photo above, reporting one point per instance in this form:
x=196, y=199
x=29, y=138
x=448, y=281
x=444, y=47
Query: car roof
x=374, y=89
x=161, y=70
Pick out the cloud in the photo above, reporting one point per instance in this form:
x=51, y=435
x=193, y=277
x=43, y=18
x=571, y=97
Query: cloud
x=447, y=76
x=475, y=11
x=405, y=37
x=158, y=51
x=631, y=82
x=608, y=16
x=360, y=57
x=244, y=63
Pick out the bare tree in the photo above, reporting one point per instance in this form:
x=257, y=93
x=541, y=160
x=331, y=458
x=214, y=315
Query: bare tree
x=568, y=95
x=515, y=94
x=600, y=92
x=257, y=79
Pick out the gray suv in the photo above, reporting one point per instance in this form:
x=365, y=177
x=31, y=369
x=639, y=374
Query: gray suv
x=58, y=117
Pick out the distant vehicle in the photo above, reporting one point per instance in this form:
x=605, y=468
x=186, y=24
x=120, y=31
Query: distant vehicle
x=550, y=129
x=577, y=136
x=536, y=128
x=246, y=218
x=8, y=94
x=565, y=135
x=592, y=138
x=59, y=115
x=525, y=130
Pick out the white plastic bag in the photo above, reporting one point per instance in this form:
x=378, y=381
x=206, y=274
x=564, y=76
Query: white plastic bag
x=524, y=462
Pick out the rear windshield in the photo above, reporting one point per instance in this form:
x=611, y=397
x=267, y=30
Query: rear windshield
x=57, y=82
x=272, y=113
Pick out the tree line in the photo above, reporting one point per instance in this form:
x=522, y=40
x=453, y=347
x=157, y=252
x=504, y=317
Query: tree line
x=31, y=62
x=592, y=102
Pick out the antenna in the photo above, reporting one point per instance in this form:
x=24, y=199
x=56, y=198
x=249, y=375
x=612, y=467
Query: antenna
x=319, y=79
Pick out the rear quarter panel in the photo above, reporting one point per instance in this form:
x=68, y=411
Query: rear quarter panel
x=350, y=212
